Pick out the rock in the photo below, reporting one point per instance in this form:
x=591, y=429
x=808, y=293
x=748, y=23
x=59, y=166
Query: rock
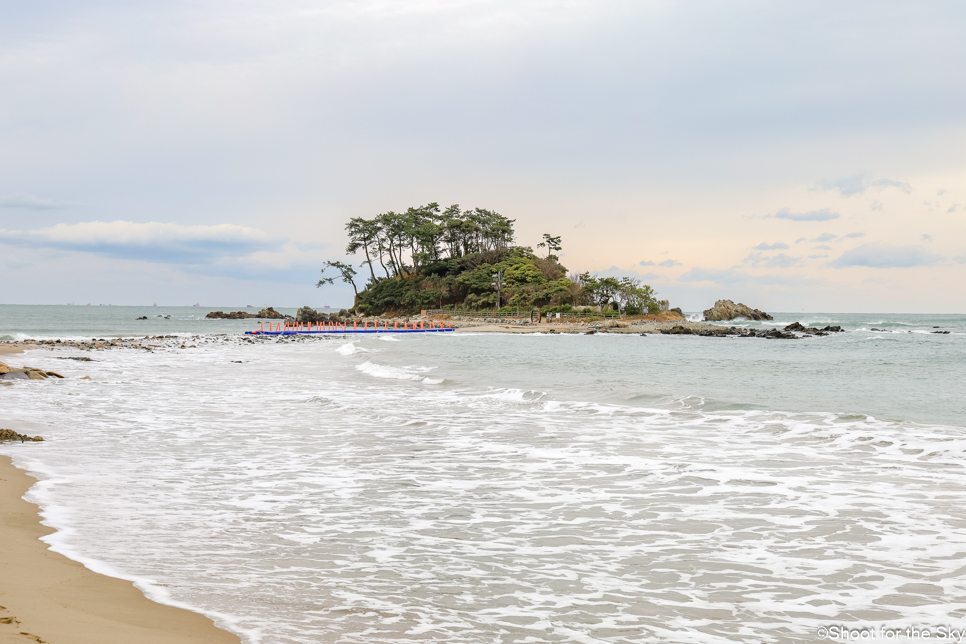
x=54, y=374
x=941, y=332
x=143, y=317
x=86, y=378
x=4, y=368
x=308, y=314
x=37, y=375
x=728, y=310
x=833, y=329
x=676, y=310
x=10, y=435
x=15, y=375
x=678, y=330
x=795, y=326
x=269, y=313
x=234, y=315
x=272, y=314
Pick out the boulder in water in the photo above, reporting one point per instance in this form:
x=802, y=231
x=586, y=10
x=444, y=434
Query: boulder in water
x=728, y=310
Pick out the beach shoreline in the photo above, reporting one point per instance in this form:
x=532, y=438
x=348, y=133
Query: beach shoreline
x=46, y=597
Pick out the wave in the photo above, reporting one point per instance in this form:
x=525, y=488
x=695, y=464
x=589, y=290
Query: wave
x=398, y=373
x=350, y=348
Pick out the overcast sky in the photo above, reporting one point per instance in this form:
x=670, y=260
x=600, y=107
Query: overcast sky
x=791, y=155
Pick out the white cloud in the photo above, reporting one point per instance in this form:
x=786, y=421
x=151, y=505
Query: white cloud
x=858, y=184
x=669, y=263
x=781, y=260
x=31, y=202
x=885, y=256
x=151, y=242
x=732, y=277
x=825, y=214
x=775, y=246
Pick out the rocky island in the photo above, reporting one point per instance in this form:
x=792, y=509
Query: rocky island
x=724, y=310
x=265, y=314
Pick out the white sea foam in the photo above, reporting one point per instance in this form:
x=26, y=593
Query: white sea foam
x=397, y=373
x=348, y=502
x=351, y=348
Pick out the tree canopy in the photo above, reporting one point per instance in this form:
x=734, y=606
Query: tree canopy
x=430, y=257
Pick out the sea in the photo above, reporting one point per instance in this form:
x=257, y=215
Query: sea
x=497, y=488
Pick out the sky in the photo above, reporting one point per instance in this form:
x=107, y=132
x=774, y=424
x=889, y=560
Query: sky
x=794, y=156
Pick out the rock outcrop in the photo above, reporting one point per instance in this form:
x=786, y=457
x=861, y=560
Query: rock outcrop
x=308, y=314
x=25, y=373
x=728, y=310
x=811, y=330
x=267, y=314
x=10, y=435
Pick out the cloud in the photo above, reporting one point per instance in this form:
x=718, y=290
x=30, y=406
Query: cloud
x=781, y=260
x=885, y=256
x=817, y=256
x=647, y=262
x=767, y=246
x=926, y=238
x=30, y=202
x=825, y=214
x=732, y=277
x=960, y=260
x=822, y=247
x=150, y=242
x=670, y=263
x=858, y=184
x=854, y=235
x=953, y=208
x=824, y=237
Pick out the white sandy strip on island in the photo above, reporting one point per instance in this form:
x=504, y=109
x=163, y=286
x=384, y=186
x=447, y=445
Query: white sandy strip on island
x=46, y=597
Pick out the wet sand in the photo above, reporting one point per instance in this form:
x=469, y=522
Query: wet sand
x=45, y=597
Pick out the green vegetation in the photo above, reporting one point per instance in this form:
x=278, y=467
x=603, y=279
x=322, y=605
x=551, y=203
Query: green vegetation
x=428, y=257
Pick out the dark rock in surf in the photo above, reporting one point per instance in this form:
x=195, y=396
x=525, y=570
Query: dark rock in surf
x=728, y=310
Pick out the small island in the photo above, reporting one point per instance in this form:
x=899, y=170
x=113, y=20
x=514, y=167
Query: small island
x=449, y=260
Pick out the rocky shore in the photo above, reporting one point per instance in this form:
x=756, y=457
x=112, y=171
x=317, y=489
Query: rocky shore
x=793, y=331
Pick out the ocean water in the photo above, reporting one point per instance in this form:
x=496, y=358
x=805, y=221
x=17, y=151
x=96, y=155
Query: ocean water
x=497, y=488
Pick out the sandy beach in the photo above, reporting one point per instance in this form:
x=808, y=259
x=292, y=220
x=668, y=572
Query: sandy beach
x=45, y=597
